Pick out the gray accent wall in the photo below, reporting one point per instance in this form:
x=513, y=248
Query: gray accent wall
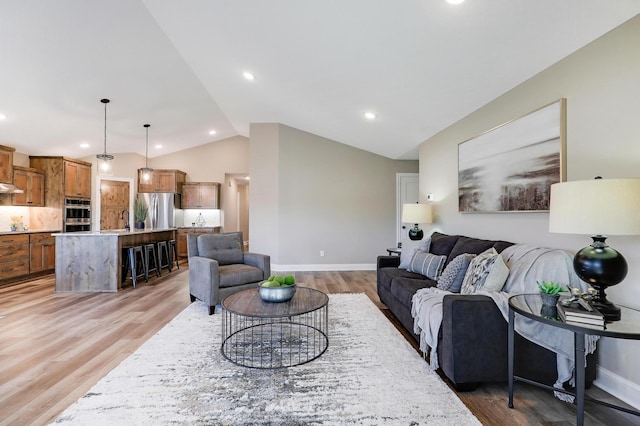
x=312, y=194
x=601, y=83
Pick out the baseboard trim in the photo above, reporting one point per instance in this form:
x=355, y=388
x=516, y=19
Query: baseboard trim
x=623, y=389
x=325, y=267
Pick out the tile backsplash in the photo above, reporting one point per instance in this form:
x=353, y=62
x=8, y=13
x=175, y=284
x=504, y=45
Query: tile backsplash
x=211, y=216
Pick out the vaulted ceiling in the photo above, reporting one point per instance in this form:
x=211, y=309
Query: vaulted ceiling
x=319, y=66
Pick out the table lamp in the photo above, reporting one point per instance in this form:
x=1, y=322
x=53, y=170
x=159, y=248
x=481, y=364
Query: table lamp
x=417, y=213
x=600, y=208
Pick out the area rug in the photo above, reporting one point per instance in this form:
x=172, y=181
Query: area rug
x=369, y=375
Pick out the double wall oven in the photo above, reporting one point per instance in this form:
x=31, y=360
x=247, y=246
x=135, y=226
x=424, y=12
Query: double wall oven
x=77, y=215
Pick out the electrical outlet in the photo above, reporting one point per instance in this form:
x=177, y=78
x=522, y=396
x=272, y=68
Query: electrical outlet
x=321, y=253
x=429, y=197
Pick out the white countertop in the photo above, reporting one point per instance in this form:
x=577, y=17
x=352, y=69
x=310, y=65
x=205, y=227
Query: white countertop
x=113, y=232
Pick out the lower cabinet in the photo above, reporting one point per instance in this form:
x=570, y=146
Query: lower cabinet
x=14, y=255
x=42, y=252
x=182, y=237
x=25, y=254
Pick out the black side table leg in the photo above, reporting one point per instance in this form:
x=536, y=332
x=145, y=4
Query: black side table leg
x=511, y=354
x=580, y=373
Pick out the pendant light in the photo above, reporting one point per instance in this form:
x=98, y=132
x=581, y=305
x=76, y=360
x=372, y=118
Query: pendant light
x=104, y=166
x=146, y=170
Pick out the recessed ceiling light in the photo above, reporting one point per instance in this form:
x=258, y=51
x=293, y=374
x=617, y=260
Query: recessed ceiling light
x=369, y=115
x=248, y=75
x=3, y=117
x=84, y=145
x=247, y=177
x=212, y=132
x=455, y=1
x=158, y=146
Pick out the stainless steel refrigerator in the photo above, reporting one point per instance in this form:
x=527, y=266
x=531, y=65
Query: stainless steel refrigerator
x=162, y=209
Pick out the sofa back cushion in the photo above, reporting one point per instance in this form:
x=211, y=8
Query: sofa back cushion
x=427, y=264
x=475, y=246
x=225, y=248
x=441, y=244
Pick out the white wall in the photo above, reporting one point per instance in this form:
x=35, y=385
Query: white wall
x=601, y=83
x=311, y=194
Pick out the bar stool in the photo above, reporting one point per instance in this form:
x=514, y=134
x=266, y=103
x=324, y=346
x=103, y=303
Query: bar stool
x=150, y=249
x=173, y=254
x=131, y=254
x=164, y=261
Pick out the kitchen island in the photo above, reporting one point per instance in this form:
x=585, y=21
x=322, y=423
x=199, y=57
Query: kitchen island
x=92, y=261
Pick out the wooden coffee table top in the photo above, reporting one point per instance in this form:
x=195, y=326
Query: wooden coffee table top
x=248, y=303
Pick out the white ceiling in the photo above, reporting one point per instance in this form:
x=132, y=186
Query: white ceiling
x=419, y=65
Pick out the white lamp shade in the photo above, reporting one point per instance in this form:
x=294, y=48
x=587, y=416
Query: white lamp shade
x=596, y=207
x=417, y=213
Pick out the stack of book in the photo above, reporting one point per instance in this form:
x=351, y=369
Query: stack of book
x=580, y=312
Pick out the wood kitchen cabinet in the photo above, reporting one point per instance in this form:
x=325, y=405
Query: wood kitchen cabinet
x=31, y=181
x=162, y=181
x=14, y=255
x=6, y=164
x=181, y=237
x=64, y=177
x=200, y=195
x=77, y=179
x=42, y=252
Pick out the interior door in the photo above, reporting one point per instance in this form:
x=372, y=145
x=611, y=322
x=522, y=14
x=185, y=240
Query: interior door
x=408, y=191
x=114, y=198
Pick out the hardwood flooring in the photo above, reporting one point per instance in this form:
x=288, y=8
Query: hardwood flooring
x=55, y=346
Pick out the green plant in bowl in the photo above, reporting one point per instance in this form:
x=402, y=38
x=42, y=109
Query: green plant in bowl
x=549, y=287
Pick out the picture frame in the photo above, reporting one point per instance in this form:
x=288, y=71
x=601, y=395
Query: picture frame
x=511, y=167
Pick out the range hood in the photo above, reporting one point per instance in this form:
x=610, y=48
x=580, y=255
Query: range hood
x=7, y=188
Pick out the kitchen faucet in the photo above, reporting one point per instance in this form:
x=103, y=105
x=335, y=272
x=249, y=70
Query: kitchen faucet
x=127, y=227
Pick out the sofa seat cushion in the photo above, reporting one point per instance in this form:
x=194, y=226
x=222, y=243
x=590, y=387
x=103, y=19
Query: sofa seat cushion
x=239, y=274
x=404, y=288
x=388, y=274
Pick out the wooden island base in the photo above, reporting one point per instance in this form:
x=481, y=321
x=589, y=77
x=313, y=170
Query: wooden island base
x=91, y=261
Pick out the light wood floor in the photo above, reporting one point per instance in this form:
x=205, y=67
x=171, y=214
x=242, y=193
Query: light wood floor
x=55, y=346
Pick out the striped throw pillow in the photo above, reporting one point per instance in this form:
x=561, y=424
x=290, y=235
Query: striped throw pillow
x=427, y=264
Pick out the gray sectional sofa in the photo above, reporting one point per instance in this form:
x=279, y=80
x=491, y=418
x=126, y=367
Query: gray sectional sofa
x=472, y=344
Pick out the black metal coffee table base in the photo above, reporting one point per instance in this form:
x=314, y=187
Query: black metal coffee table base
x=269, y=336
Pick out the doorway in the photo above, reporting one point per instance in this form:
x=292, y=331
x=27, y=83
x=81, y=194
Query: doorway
x=113, y=196
x=407, y=191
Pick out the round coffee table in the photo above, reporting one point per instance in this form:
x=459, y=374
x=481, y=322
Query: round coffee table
x=261, y=334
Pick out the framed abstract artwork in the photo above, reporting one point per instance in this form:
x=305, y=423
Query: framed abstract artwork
x=511, y=168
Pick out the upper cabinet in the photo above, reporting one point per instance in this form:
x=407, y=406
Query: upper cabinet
x=77, y=179
x=6, y=164
x=64, y=177
x=31, y=181
x=200, y=195
x=162, y=181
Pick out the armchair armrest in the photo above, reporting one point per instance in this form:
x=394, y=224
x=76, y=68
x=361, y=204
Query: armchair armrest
x=204, y=280
x=261, y=261
x=388, y=262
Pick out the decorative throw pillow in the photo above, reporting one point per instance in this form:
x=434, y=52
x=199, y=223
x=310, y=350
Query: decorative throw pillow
x=497, y=276
x=427, y=264
x=478, y=271
x=453, y=274
x=409, y=248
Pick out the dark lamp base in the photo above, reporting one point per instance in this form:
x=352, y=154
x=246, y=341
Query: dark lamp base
x=415, y=233
x=609, y=311
x=601, y=266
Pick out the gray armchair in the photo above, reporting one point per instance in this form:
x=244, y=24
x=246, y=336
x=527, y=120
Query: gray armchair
x=218, y=267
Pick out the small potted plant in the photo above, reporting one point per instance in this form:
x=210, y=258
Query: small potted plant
x=140, y=211
x=16, y=221
x=550, y=293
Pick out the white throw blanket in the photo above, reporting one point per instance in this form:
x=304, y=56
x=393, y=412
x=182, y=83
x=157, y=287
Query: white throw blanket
x=527, y=264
